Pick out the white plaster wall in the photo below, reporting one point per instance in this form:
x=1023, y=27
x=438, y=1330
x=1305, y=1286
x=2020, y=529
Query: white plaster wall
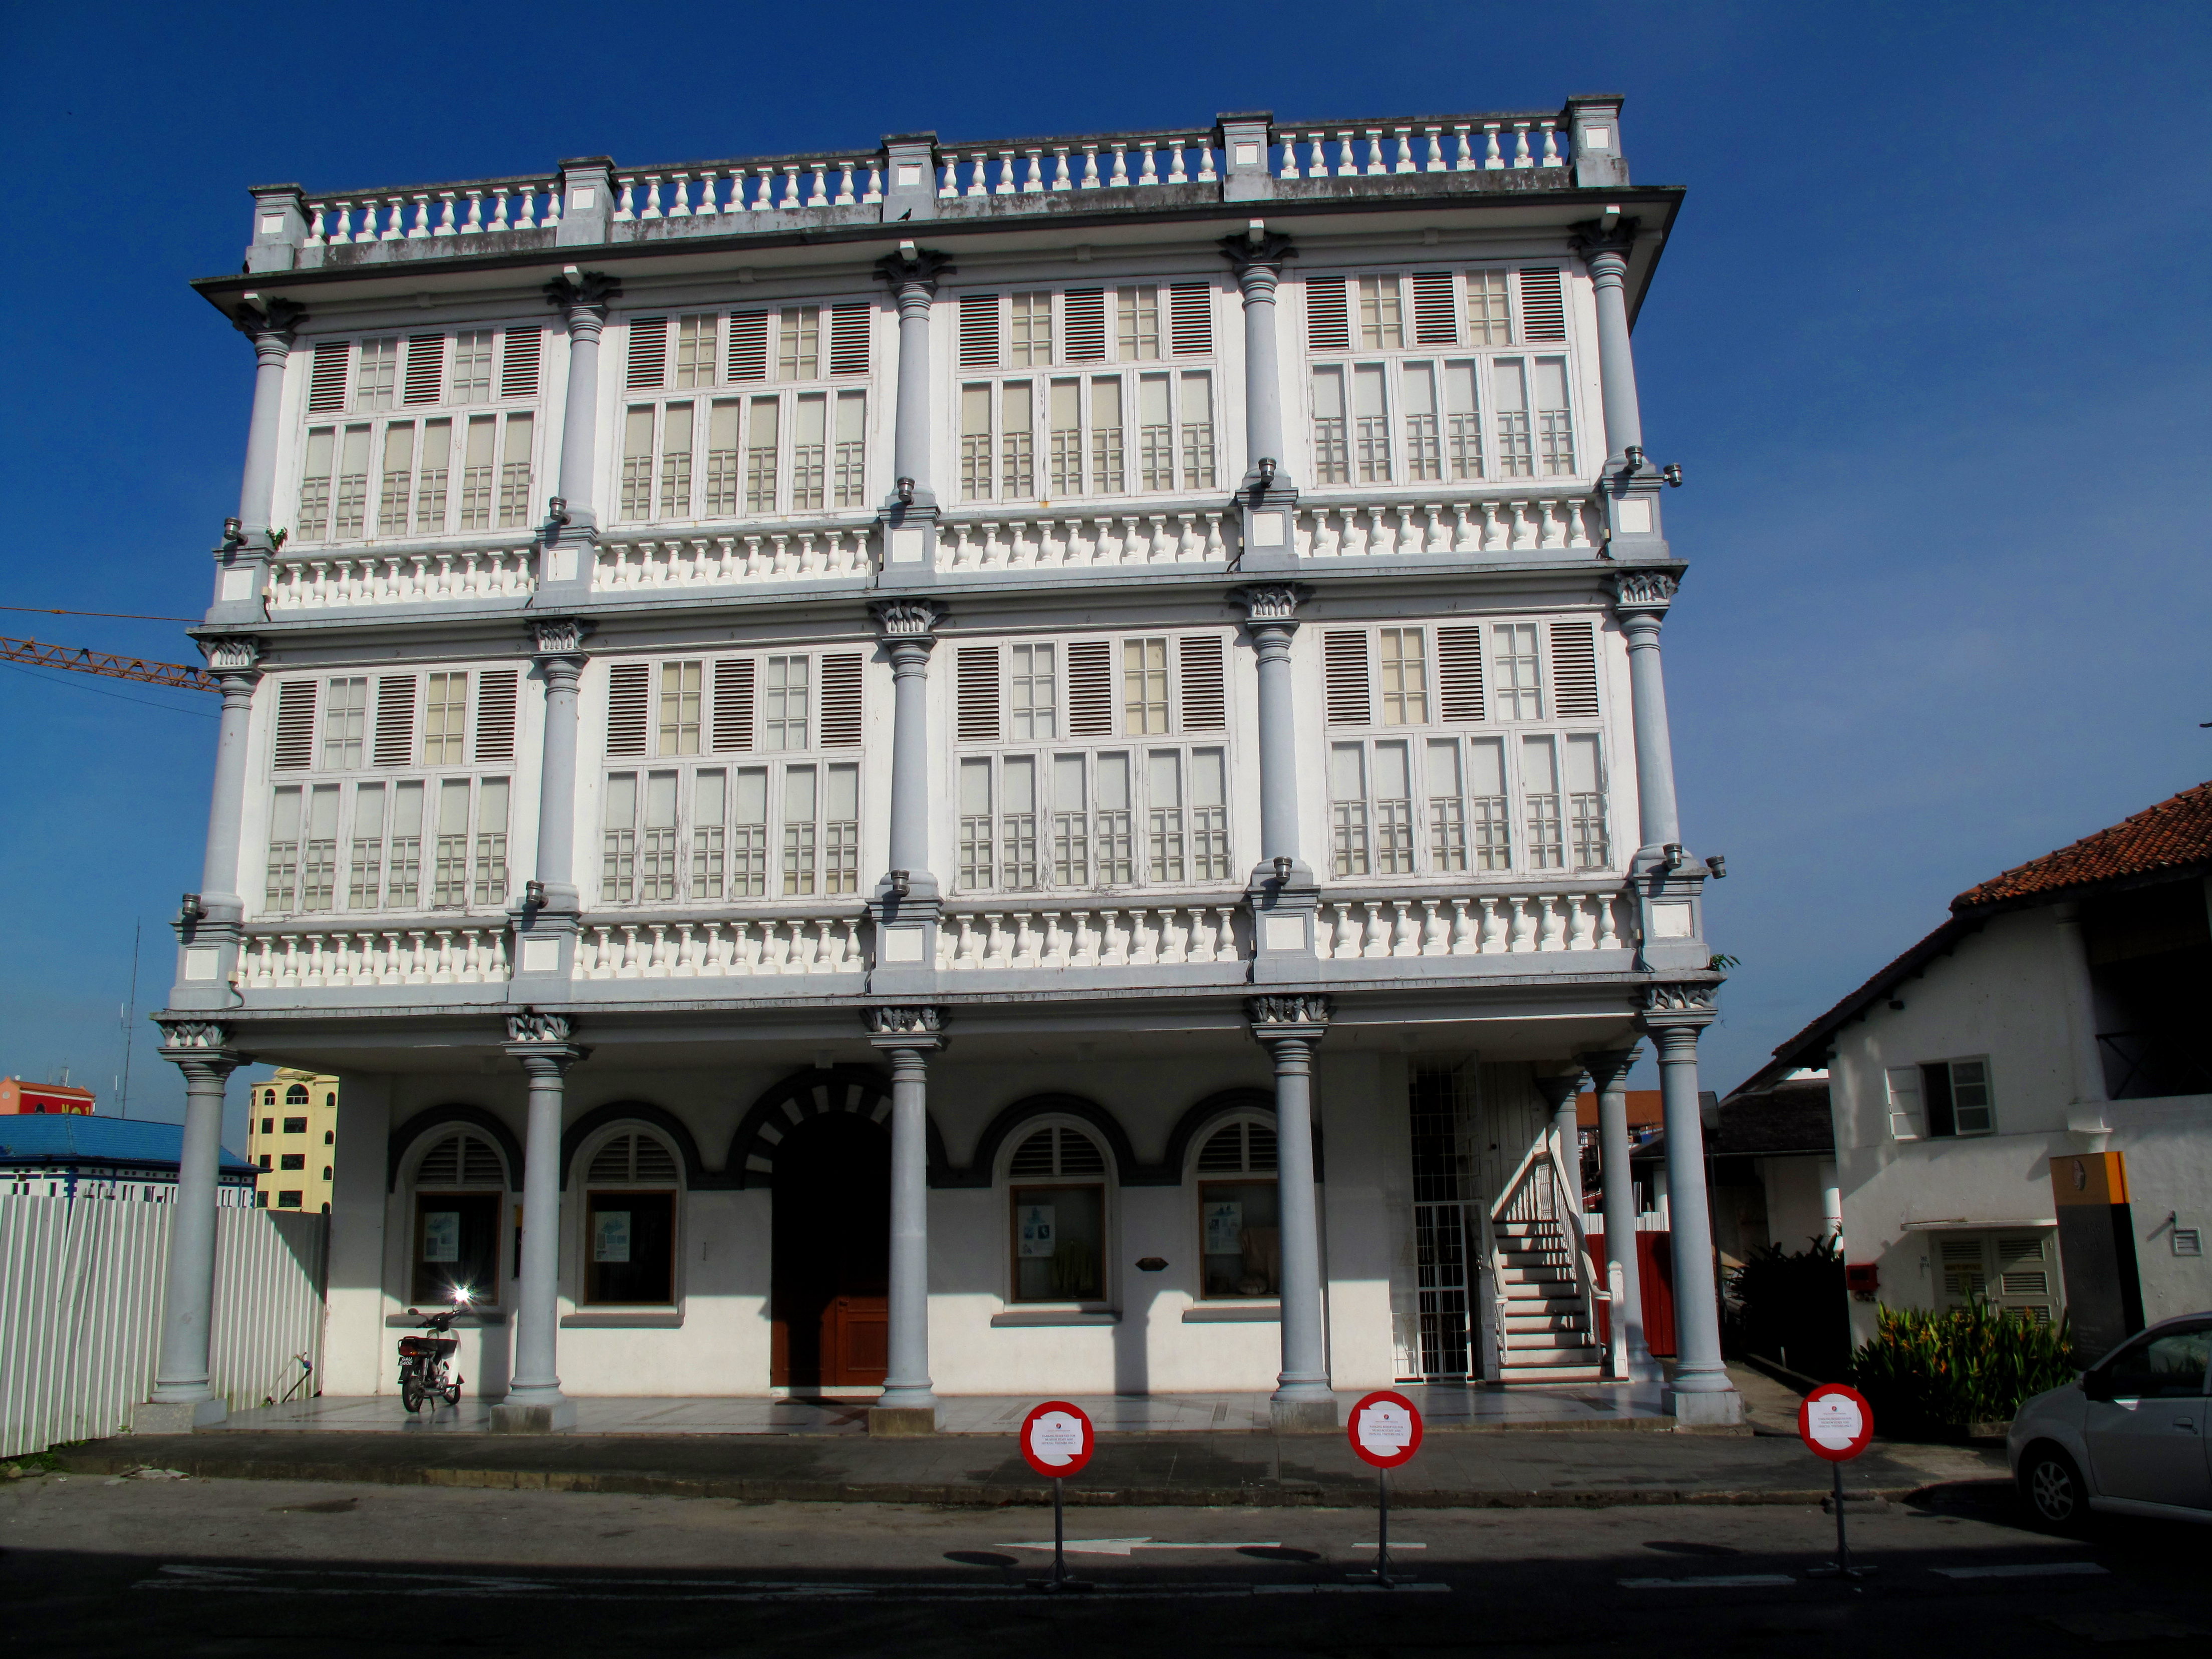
x=2168, y=1145
x=1793, y=1200
x=354, y=1354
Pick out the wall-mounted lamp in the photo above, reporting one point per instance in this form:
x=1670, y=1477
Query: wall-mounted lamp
x=1634, y=455
x=533, y=894
x=234, y=531
x=906, y=492
x=1672, y=472
x=1718, y=864
x=902, y=883
x=1283, y=867
x=558, y=509
x=1673, y=854
x=1266, y=471
x=191, y=909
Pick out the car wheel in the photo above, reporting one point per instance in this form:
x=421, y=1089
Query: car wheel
x=2051, y=1484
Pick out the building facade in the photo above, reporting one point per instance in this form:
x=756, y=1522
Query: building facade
x=1011, y=767
x=2023, y=1116
x=18, y=1097
x=291, y=1138
x=72, y=1155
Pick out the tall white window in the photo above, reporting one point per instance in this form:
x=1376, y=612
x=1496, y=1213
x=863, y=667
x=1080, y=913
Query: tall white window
x=784, y=698
x=1540, y=786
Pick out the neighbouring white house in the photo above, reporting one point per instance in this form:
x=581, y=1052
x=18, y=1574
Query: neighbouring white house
x=2023, y=1102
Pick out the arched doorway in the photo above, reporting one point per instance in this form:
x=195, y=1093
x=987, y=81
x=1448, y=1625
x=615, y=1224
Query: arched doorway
x=830, y=1270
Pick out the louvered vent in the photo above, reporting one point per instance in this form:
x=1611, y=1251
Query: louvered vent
x=326, y=380
x=1259, y=1146
x=1543, y=311
x=654, y=1161
x=733, y=705
x=633, y=1157
x=426, y=368
x=295, y=725
x=1574, y=670
x=841, y=699
x=978, y=693
x=628, y=688
x=1079, y=1154
x=1083, y=324
x=517, y=367
x=848, y=338
x=1090, y=688
x=749, y=345
x=395, y=720
x=441, y=1165
x=1034, y=1156
x=1459, y=671
x=1205, y=706
x=1190, y=319
x=496, y=699
x=1344, y=656
x=1435, y=308
x=1329, y=321
x=461, y=1160
x=648, y=353
x=480, y=1164
x=1223, y=1152
x=979, y=331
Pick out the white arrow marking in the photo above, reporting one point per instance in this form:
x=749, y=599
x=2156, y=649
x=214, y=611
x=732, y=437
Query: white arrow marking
x=1718, y=1581
x=2019, y=1570
x=1124, y=1546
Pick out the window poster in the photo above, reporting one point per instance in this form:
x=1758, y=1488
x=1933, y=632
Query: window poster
x=441, y=1236
x=610, y=1236
x=1225, y=1228
x=1036, y=1232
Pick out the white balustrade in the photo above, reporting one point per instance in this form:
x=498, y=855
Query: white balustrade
x=1087, y=538
x=731, y=947
x=1018, y=935
x=315, y=582
x=1400, y=529
x=770, y=554
x=1481, y=924
x=1132, y=160
x=406, y=953
x=714, y=191
x=462, y=210
x=1468, y=146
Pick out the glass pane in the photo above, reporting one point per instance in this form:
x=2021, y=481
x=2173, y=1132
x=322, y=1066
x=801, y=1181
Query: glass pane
x=1208, y=782
x=706, y=792
x=457, y=1239
x=1059, y=1242
x=808, y=455
x=630, y=1247
x=1241, y=1238
x=621, y=801
x=1347, y=772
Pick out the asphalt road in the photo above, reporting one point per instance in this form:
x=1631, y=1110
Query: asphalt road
x=91, y=1565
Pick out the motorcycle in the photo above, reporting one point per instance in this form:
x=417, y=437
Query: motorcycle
x=422, y=1373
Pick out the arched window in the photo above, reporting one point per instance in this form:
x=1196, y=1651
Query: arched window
x=1056, y=1205
x=460, y=1195
x=1240, y=1224
x=631, y=1188
x=296, y=1094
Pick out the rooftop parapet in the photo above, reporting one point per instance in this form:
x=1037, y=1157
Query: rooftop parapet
x=1241, y=157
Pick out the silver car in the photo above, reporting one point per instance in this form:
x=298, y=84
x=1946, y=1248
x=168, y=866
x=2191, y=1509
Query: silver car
x=2133, y=1435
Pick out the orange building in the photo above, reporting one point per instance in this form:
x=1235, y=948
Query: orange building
x=18, y=1097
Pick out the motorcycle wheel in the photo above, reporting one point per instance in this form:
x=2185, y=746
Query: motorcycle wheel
x=452, y=1394
x=410, y=1396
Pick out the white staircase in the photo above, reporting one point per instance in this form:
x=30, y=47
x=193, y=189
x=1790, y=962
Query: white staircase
x=1544, y=1292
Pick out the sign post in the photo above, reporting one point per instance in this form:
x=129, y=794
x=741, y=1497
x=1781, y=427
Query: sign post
x=1057, y=1441
x=1837, y=1423
x=1385, y=1430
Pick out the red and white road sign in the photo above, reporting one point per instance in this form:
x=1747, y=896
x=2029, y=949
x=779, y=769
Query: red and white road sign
x=1385, y=1429
x=1057, y=1439
x=1835, y=1422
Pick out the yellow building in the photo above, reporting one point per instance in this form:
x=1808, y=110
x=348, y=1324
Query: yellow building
x=292, y=1138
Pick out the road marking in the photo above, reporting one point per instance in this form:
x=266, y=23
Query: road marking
x=1718, y=1581
x=1394, y=1545
x=2020, y=1569
x=1399, y=1589
x=1124, y=1546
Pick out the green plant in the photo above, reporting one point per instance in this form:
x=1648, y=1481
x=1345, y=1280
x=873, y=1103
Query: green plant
x=276, y=538
x=1791, y=1306
x=1722, y=964
x=1926, y=1371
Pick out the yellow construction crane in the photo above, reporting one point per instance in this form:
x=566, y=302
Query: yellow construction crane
x=82, y=659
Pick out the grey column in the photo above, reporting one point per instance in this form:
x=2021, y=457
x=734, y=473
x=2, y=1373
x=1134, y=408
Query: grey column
x=234, y=661
x=1289, y=1027
x=560, y=660
x=908, y=641
x=198, y=1048
x=2086, y=1062
x=1641, y=600
x=271, y=331
x=1608, y=1071
x=1700, y=1392
x=909, y=1036
x=1616, y=358
x=534, y=1402
x=912, y=275
x=1561, y=1091
x=1258, y=262
x=1271, y=620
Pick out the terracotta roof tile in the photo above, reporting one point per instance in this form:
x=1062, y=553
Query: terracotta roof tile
x=2172, y=834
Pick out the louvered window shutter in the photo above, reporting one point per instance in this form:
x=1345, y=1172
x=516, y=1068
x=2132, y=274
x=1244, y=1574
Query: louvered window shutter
x=1190, y=319
x=648, y=353
x=629, y=693
x=1205, y=706
x=1344, y=655
x=395, y=721
x=1435, y=308
x=1543, y=309
x=1078, y=1154
x=1905, y=1119
x=441, y=1165
x=849, y=337
x=979, y=331
x=612, y=1161
x=480, y=1164
x=1033, y=1157
x=654, y=1161
x=518, y=365
x=749, y=345
x=841, y=699
x=1574, y=670
x=326, y=380
x=733, y=705
x=496, y=690
x=295, y=725
x=1328, y=320
x=426, y=368
x=1459, y=671
x=978, y=694
x=1083, y=325
x=1090, y=688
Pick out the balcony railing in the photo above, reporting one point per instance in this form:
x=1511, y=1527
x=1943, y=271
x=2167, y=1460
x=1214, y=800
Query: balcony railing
x=629, y=561
x=1043, y=933
x=319, y=581
x=451, y=953
x=730, y=947
x=1474, y=924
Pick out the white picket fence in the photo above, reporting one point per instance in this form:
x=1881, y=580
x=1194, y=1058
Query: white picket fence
x=80, y=1305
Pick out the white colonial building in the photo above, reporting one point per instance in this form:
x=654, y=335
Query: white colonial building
x=1032, y=767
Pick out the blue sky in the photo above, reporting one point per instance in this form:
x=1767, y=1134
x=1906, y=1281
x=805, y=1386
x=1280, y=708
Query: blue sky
x=1929, y=344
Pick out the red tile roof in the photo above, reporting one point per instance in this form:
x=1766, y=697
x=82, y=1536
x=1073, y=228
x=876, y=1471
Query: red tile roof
x=2166, y=837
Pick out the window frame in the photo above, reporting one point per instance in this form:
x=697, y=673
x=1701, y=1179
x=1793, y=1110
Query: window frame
x=587, y=1193
x=1105, y=1183
x=1202, y=1182
x=506, y=1230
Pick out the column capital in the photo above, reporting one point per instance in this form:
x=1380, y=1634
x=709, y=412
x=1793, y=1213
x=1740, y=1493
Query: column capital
x=558, y=648
x=914, y=1025
x=1275, y=603
x=231, y=653
x=583, y=298
x=1647, y=592
x=1560, y=1087
x=1257, y=260
x=913, y=275
x=1596, y=243
x=269, y=324
x=200, y=1049
x=541, y=1041
x=1304, y=1015
x=1675, y=1010
x=1608, y=1068
x=909, y=619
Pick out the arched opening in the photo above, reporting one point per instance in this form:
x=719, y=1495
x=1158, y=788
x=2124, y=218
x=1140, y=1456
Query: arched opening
x=831, y=1239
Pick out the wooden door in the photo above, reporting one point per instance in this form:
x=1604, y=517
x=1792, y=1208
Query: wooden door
x=855, y=1341
x=830, y=1273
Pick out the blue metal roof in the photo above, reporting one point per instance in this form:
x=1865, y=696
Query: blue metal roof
x=71, y=1138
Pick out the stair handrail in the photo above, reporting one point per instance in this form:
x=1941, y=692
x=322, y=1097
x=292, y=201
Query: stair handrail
x=1568, y=1199
x=1494, y=1350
